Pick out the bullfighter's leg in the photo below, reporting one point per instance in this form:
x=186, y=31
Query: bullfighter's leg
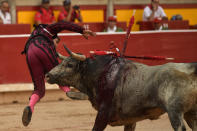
x=130, y=127
x=191, y=119
x=176, y=120
x=38, y=63
x=37, y=73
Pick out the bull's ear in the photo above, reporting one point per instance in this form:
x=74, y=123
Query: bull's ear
x=61, y=56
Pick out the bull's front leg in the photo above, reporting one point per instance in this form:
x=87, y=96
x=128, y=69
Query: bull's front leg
x=102, y=117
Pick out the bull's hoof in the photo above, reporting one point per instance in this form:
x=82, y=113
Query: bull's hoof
x=77, y=95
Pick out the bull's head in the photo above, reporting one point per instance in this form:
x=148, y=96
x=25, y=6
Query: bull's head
x=68, y=73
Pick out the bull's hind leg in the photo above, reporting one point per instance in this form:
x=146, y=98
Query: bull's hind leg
x=130, y=127
x=191, y=119
x=176, y=120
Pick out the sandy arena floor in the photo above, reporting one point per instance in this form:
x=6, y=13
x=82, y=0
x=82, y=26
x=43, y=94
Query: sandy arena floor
x=69, y=115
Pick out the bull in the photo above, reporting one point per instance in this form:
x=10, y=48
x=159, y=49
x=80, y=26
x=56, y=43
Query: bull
x=125, y=92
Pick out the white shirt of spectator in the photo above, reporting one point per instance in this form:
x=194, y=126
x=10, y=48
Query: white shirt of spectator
x=6, y=18
x=158, y=14
x=109, y=30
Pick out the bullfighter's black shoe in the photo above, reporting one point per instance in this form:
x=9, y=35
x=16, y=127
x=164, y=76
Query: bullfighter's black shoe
x=27, y=114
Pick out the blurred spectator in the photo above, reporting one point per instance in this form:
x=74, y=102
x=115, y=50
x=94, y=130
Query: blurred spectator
x=45, y=14
x=154, y=11
x=5, y=17
x=111, y=25
x=159, y=25
x=70, y=13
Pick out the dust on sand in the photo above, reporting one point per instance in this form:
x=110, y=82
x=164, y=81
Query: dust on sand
x=67, y=115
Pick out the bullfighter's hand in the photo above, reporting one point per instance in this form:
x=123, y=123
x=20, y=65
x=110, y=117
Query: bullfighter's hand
x=87, y=33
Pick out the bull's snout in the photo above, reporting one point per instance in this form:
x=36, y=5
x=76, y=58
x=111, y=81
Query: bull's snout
x=50, y=78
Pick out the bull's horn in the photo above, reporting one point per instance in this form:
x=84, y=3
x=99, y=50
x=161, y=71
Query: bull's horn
x=74, y=55
x=78, y=57
x=61, y=56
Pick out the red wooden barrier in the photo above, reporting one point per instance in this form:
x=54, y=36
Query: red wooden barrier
x=100, y=26
x=181, y=45
x=10, y=29
x=172, y=25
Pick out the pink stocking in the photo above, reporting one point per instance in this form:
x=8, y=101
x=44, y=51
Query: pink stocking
x=33, y=100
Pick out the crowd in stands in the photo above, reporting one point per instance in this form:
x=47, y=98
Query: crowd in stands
x=70, y=13
x=5, y=17
x=154, y=11
x=45, y=15
x=112, y=25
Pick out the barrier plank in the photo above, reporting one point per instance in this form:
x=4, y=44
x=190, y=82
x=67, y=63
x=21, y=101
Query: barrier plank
x=177, y=44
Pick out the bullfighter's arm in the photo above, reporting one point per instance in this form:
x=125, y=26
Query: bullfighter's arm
x=60, y=26
x=63, y=25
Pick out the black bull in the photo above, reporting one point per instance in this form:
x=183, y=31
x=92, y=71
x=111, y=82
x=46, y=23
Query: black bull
x=125, y=92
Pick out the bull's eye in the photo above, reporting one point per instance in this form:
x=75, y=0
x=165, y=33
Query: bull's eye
x=70, y=65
